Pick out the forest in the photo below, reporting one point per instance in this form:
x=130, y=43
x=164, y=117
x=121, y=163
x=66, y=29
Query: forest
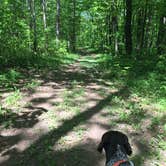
x=71, y=70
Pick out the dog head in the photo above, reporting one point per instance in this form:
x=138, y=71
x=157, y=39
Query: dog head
x=110, y=141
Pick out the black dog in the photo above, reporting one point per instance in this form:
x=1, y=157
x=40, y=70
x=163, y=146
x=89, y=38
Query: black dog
x=117, y=147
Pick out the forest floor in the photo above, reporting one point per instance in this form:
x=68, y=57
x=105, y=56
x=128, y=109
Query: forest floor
x=58, y=118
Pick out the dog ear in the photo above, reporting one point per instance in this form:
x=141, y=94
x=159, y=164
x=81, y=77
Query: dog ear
x=100, y=147
x=128, y=148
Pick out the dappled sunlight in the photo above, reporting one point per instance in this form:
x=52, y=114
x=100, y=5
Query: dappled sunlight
x=78, y=154
x=68, y=125
x=72, y=70
x=64, y=114
x=16, y=141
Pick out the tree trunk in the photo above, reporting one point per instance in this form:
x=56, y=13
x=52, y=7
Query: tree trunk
x=92, y=32
x=148, y=30
x=115, y=30
x=143, y=27
x=161, y=40
x=44, y=8
x=57, y=20
x=139, y=27
x=33, y=23
x=109, y=30
x=73, y=34
x=128, y=30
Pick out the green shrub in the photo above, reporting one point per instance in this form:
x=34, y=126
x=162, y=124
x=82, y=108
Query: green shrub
x=161, y=64
x=57, y=48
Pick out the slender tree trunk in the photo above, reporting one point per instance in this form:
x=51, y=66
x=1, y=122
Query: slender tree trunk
x=148, y=30
x=92, y=32
x=161, y=40
x=57, y=20
x=33, y=23
x=34, y=27
x=128, y=30
x=115, y=30
x=30, y=23
x=109, y=30
x=139, y=26
x=29, y=20
x=143, y=27
x=44, y=9
x=44, y=6
x=73, y=34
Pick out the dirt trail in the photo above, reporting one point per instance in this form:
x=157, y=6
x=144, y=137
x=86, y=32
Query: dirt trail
x=61, y=138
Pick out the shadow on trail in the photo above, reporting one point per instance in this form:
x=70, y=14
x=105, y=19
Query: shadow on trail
x=25, y=120
x=39, y=151
x=67, y=77
x=16, y=121
x=86, y=51
x=42, y=151
x=82, y=154
x=144, y=152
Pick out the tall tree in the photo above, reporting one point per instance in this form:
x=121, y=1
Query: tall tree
x=128, y=30
x=44, y=10
x=44, y=6
x=109, y=28
x=73, y=33
x=141, y=25
x=115, y=30
x=161, y=38
x=33, y=23
x=57, y=19
x=115, y=25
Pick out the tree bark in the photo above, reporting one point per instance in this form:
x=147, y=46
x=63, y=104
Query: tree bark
x=57, y=20
x=44, y=9
x=44, y=6
x=115, y=30
x=109, y=30
x=161, y=40
x=143, y=27
x=139, y=24
x=128, y=30
x=33, y=23
x=148, y=30
x=73, y=34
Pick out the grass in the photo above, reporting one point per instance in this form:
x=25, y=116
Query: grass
x=19, y=77
x=13, y=99
x=71, y=106
x=9, y=78
x=146, y=83
x=4, y=111
x=51, y=119
x=145, y=102
x=32, y=85
x=9, y=108
x=80, y=130
x=135, y=115
x=72, y=98
x=70, y=58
